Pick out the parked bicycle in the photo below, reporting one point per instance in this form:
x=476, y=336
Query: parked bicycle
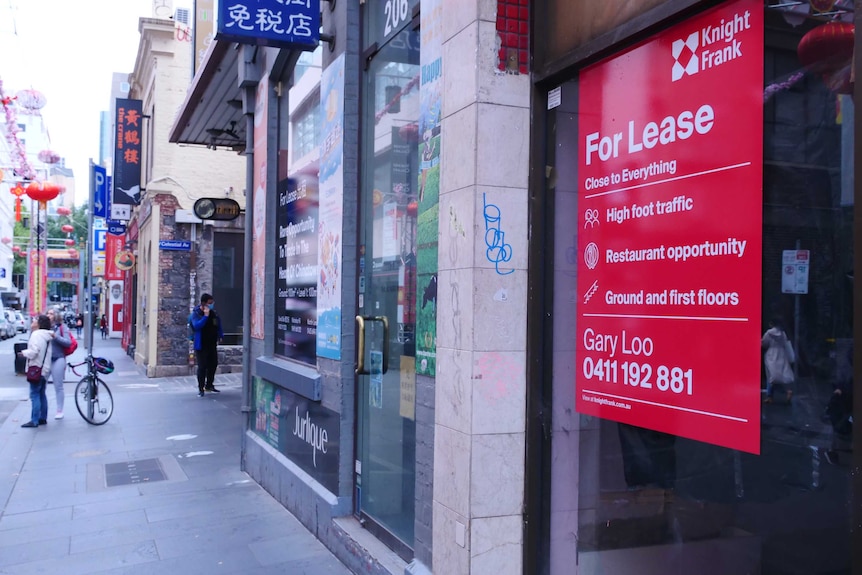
x=92, y=396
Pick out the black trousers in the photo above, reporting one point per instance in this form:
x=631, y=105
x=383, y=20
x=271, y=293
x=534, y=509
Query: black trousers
x=207, y=359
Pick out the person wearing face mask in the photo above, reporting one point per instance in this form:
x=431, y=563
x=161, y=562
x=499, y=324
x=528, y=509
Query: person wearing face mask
x=208, y=334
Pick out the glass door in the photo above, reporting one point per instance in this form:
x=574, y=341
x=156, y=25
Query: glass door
x=386, y=448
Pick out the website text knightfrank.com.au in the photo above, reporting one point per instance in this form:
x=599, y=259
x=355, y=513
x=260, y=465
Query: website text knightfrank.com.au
x=605, y=401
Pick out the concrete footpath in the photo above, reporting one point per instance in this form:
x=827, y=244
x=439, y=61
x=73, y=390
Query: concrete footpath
x=156, y=490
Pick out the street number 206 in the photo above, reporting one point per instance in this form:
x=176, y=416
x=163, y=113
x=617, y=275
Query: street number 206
x=396, y=12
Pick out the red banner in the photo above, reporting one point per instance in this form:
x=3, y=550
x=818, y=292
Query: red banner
x=669, y=216
x=113, y=246
x=38, y=287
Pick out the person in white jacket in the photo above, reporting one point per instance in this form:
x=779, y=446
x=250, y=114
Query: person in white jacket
x=38, y=348
x=777, y=359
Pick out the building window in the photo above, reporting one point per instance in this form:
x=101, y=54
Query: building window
x=631, y=495
x=306, y=130
x=227, y=283
x=306, y=62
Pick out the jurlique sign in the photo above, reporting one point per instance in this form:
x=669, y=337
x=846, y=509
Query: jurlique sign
x=669, y=236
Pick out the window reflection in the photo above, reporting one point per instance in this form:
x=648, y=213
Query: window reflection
x=630, y=500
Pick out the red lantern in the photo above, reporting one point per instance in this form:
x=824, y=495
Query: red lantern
x=16, y=249
x=68, y=228
x=412, y=209
x=18, y=191
x=6, y=240
x=43, y=192
x=23, y=253
x=828, y=51
x=70, y=242
x=63, y=211
x=73, y=253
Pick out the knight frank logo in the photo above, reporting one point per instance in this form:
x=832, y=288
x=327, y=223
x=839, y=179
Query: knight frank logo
x=709, y=47
x=685, y=56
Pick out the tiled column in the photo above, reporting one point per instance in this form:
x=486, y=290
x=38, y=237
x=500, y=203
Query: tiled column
x=481, y=321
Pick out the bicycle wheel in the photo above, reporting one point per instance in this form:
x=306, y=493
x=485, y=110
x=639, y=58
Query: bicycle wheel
x=94, y=402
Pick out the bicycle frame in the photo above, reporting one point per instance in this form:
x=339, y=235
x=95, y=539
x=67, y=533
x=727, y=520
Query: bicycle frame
x=93, y=397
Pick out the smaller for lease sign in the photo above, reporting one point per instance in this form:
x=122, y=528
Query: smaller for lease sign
x=669, y=236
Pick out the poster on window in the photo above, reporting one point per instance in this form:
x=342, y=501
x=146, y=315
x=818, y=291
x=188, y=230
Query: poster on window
x=331, y=206
x=428, y=186
x=669, y=230
x=296, y=268
x=258, y=234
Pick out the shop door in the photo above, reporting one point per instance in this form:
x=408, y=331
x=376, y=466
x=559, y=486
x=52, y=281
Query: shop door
x=386, y=446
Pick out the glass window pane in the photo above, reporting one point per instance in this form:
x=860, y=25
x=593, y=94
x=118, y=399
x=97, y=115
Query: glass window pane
x=625, y=499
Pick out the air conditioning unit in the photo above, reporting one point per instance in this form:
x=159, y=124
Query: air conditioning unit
x=183, y=16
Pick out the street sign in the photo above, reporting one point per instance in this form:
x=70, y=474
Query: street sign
x=175, y=245
x=222, y=209
x=99, y=240
x=794, y=271
x=100, y=192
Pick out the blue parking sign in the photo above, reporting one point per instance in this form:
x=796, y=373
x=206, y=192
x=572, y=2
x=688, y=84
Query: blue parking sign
x=99, y=237
x=100, y=192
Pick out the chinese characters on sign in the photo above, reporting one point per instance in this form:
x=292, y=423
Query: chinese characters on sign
x=127, y=153
x=670, y=231
x=280, y=23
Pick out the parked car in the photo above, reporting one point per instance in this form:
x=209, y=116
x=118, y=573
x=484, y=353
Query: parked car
x=7, y=330
x=20, y=323
x=13, y=322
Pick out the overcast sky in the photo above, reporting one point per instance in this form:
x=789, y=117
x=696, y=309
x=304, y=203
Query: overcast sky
x=68, y=49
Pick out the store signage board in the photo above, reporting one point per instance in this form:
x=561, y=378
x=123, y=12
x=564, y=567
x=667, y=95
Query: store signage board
x=128, y=138
x=669, y=236
x=278, y=23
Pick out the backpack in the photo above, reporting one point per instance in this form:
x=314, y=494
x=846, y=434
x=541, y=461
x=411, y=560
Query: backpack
x=72, y=346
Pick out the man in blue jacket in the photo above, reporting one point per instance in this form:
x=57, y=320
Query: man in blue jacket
x=208, y=334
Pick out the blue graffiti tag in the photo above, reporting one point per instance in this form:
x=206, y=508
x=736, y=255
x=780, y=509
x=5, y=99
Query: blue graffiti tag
x=498, y=250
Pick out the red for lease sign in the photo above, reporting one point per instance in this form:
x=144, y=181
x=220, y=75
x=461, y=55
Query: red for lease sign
x=669, y=237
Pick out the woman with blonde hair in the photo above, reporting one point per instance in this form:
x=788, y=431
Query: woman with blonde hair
x=62, y=341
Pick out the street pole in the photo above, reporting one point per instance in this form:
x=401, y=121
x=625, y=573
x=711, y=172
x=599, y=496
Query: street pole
x=88, y=320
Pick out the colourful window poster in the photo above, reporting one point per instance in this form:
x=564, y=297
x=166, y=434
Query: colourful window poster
x=258, y=249
x=331, y=198
x=430, y=88
x=670, y=230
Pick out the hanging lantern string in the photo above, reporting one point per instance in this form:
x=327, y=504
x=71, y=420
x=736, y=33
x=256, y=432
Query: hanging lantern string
x=22, y=166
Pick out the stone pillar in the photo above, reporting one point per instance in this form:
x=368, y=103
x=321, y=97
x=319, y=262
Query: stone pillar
x=481, y=321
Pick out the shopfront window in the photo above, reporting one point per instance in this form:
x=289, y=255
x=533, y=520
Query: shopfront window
x=718, y=303
x=227, y=283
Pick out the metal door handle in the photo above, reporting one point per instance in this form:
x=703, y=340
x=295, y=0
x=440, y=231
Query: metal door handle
x=360, y=347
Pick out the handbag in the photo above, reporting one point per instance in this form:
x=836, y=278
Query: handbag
x=34, y=372
x=72, y=346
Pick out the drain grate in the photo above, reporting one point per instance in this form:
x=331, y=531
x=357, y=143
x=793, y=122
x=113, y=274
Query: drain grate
x=130, y=472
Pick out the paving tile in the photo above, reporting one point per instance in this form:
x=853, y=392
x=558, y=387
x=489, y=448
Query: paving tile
x=89, y=563
x=35, y=518
x=12, y=555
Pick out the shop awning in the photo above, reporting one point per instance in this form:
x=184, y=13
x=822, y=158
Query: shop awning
x=212, y=112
